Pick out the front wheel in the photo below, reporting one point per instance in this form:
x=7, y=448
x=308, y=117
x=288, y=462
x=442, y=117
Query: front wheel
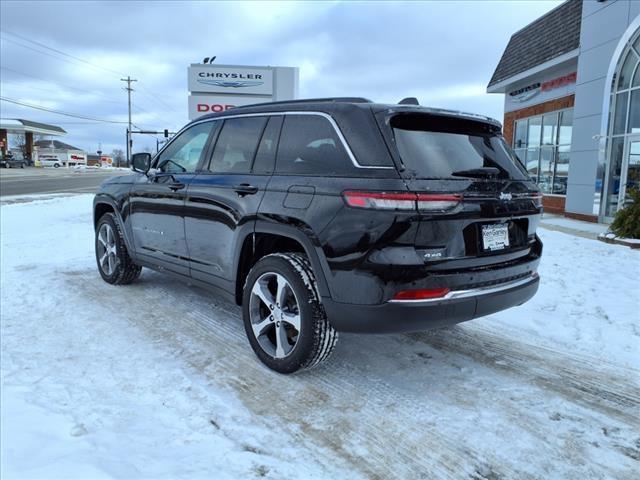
x=284, y=319
x=114, y=263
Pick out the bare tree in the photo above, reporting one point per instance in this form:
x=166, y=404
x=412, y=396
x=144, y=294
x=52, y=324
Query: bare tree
x=118, y=156
x=19, y=141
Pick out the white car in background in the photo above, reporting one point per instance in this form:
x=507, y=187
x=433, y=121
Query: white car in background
x=50, y=161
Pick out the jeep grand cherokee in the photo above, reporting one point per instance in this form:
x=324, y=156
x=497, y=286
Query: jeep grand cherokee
x=330, y=215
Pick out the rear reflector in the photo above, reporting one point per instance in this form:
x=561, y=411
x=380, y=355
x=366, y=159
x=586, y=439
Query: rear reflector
x=402, y=200
x=423, y=294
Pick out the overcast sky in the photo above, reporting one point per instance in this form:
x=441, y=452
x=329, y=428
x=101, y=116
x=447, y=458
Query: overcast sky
x=443, y=53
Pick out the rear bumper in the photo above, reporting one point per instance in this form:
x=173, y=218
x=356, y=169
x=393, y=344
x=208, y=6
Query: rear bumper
x=415, y=315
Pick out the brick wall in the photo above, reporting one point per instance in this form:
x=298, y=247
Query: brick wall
x=553, y=203
x=546, y=107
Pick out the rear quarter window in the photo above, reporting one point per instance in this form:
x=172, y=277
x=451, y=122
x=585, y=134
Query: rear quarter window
x=309, y=145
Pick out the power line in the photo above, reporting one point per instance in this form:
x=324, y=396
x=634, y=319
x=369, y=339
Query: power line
x=42, y=45
x=148, y=93
x=68, y=87
x=157, y=98
x=58, y=112
x=40, y=51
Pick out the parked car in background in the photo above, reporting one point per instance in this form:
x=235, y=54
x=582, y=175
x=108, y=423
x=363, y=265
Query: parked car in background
x=10, y=161
x=50, y=161
x=330, y=215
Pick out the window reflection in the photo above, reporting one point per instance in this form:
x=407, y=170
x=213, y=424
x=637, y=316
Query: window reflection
x=547, y=139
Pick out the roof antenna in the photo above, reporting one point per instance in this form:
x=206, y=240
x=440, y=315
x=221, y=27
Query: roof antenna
x=409, y=101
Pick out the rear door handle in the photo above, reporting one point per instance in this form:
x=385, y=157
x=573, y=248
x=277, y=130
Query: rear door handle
x=245, y=189
x=175, y=186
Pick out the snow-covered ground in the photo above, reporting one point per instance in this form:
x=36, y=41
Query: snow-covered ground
x=156, y=379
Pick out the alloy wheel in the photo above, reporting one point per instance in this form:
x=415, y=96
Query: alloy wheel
x=274, y=314
x=107, y=256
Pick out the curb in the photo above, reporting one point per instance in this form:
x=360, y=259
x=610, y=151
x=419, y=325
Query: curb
x=627, y=242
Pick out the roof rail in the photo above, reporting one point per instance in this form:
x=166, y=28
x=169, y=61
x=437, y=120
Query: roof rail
x=312, y=100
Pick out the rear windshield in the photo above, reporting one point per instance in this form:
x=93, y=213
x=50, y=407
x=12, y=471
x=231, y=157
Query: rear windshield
x=436, y=147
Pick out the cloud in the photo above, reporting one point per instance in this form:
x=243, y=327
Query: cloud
x=441, y=52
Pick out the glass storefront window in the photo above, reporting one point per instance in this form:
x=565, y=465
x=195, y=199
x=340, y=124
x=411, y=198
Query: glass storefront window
x=566, y=127
x=628, y=67
x=547, y=139
x=549, y=128
x=533, y=132
x=545, y=174
x=533, y=158
x=613, y=176
x=620, y=115
x=633, y=125
x=561, y=173
x=636, y=79
x=520, y=137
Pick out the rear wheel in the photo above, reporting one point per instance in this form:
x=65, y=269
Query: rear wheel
x=114, y=263
x=283, y=317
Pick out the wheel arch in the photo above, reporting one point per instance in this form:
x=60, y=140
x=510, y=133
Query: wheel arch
x=268, y=238
x=105, y=204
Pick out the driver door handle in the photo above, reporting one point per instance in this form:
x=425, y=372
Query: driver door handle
x=245, y=189
x=175, y=186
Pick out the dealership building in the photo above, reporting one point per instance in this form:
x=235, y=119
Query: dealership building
x=571, y=85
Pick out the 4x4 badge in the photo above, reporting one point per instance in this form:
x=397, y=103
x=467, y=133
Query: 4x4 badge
x=505, y=196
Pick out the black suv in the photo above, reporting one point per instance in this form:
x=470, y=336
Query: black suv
x=330, y=215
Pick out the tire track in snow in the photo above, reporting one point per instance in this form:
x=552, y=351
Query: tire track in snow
x=572, y=376
x=396, y=441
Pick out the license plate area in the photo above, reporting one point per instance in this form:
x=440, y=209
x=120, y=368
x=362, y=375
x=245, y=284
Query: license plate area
x=495, y=236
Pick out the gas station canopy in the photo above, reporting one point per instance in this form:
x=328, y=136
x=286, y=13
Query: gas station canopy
x=28, y=128
x=17, y=125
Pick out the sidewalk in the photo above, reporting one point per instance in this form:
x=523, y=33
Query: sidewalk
x=574, y=227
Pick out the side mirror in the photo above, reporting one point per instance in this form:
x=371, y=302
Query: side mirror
x=141, y=162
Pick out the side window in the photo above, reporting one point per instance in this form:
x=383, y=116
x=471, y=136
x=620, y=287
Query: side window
x=266, y=155
x=184, y=152
x=237, y=144
x=309, y=145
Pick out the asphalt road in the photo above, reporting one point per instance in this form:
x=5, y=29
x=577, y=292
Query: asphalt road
x=48, y=180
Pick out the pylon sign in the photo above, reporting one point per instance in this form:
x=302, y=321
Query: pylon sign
x=216, y=88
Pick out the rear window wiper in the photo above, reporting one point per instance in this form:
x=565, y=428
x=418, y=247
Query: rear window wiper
x=484, y=172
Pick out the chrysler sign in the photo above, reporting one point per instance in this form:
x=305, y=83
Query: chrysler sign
x=230, y=80
x=525, y=93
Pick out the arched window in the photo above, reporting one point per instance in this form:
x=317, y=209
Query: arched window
x=624, y=129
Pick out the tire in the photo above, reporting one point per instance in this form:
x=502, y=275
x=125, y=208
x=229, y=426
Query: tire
x=114, y=263
x=56, y=165
x=305, y=347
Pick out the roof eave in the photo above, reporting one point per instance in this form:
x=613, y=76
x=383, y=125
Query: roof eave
x=503, y=85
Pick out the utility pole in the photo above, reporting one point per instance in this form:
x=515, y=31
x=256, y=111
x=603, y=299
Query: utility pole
x=129, y=90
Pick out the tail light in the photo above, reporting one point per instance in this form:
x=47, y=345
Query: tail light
x=537, y=199
x=432, y=202
x=423, y=294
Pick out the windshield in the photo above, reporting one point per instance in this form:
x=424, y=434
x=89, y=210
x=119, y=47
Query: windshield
x=439, y=147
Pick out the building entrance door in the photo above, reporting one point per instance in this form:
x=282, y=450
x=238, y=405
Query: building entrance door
x=630, y=174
